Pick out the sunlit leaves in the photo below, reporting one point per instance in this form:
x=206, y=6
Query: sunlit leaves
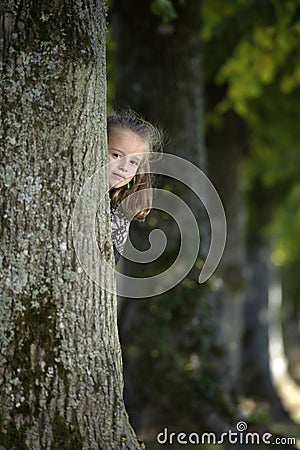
x=214, y=12
x=275, y=160
x=255, y=58
x=286, y=229
x=275, y=155
x=267, y=50
x=256, y=62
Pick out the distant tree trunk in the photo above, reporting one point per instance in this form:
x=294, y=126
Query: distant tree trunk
x=243, y=295
x=291, y=318
x=256, y=376
x=161, y=78
x=225, y=151
x=60, y=368
x=256, y=373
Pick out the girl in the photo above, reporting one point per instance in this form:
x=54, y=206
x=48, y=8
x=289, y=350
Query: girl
x=130, y=141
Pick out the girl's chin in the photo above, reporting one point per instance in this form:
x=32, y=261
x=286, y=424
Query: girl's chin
x=118, y=185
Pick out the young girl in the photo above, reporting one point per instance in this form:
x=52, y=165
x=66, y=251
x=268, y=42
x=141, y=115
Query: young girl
x=130, y=141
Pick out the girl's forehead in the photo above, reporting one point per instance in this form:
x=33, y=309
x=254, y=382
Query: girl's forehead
x=120, y=133
x=128, y=141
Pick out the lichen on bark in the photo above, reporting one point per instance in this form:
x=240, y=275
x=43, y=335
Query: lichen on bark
x=60, y=370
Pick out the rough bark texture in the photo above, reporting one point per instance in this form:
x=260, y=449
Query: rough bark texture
x=60, y=368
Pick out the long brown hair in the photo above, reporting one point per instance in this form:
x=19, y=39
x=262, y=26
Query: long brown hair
x=138, y=206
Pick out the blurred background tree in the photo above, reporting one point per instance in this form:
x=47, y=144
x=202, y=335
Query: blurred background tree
x=261, y=79
x=227, y=74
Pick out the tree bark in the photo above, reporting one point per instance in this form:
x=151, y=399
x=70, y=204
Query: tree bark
x=60, y=369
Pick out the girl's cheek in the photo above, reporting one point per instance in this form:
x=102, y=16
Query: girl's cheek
x=111, y=161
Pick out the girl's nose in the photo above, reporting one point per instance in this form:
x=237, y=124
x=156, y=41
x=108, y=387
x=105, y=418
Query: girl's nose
x=124, y=164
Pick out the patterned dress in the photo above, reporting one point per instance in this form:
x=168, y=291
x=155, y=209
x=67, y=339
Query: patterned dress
x=119, y=231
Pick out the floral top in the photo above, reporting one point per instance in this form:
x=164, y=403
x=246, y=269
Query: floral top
x=119, y=231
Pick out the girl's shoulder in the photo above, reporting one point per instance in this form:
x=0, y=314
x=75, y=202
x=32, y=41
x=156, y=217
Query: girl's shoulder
x=118, y=218
x=119, y=230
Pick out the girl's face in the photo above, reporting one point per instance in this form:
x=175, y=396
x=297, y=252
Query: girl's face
x=124, y=157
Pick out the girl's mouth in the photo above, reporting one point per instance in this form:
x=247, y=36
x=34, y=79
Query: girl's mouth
x=119, y=176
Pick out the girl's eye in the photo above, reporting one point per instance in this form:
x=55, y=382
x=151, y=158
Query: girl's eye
x=116, y=155
x=134, y=163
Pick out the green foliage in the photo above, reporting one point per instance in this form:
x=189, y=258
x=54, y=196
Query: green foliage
x=286, y=227
x=275, y=160
x=256, y=67
x=164, y=9
x=215, y=14
x=265, y=51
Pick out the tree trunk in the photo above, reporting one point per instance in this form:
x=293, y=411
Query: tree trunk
x=226, y=147
x=60, y=369
x=256, y=376
x=159, y=75
x=291, y=318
